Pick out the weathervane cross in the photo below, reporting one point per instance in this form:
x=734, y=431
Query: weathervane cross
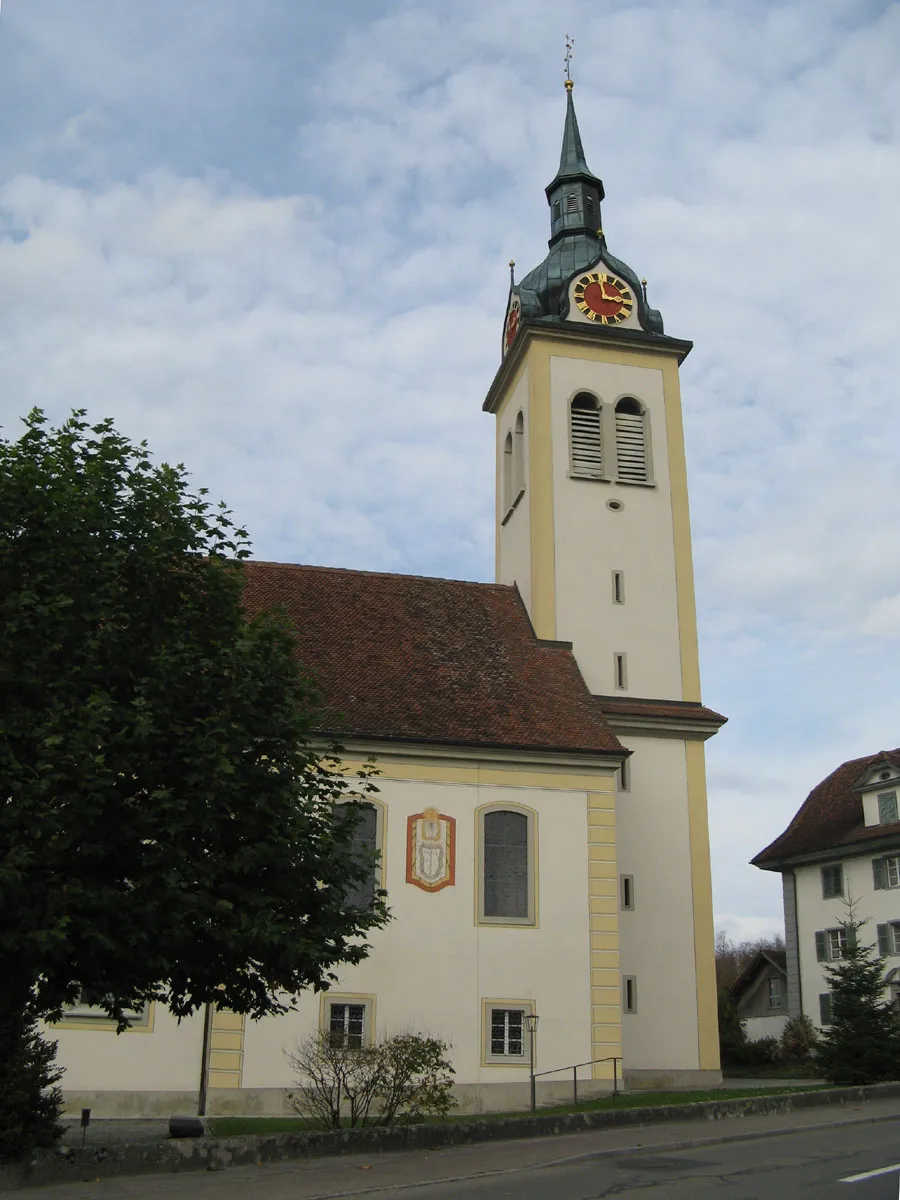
x=570, y=42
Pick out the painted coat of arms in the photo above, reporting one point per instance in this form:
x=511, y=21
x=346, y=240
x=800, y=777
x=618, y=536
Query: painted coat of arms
x=431, y=850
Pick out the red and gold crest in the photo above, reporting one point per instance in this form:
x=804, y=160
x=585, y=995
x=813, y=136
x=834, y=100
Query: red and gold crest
x=431, y=850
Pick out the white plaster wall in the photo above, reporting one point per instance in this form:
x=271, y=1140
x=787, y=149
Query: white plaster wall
x=164, y=1059
x=514, y=538
x=763, y=1027
x=657, y=938
x=592, y=541
x=814, y=913
x=432, y=966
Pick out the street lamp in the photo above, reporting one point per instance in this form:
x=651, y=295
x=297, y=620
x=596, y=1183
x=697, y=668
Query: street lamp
x=531, y=1020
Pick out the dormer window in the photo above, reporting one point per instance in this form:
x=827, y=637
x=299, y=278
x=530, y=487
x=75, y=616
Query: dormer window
x=887, y=808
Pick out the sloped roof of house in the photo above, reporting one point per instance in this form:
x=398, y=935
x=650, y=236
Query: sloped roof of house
x=431, y=660
x=760, y=960
x=830, y=816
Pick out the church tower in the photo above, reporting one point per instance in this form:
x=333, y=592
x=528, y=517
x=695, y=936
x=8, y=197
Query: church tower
x=593, y=528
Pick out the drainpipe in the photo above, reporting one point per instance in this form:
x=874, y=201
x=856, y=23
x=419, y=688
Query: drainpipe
x=204, y=1060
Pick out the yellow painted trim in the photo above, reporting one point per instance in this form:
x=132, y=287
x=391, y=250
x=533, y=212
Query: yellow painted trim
x=701, y=893
x=533, y=922
x=479, y=774
x=500, y=1002
x=226, y=1054
x=540, y=469
x=603, y=925
x=106, y=1026
x=326, y=998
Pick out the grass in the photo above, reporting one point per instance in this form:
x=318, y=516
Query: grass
x=239, y=1126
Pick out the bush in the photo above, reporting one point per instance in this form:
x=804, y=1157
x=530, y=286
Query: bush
x=404, y=1077
x=799, y=1040
x=30, y=1101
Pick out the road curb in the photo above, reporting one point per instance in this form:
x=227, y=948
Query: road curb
x=72, y=1164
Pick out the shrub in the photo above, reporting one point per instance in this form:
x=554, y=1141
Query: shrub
x=30, y=1101
x=799, y=1040
x=402, y=1078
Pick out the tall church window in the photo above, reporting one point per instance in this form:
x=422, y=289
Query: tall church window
x=585, y=435
x=518, y=463
x=365, y=846
x=632, y=459
x=506, y=853
x=507, y=480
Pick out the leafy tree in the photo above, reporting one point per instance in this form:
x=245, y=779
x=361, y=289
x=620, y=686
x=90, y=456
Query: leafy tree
x=862, y=1043
x=166, y=828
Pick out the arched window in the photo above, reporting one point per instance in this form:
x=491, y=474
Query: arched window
x=631, y=442
x=586, y=441
x=508, y=473
x=572, y=203
x=365, y=846
x=519, y=457
x=506, y=844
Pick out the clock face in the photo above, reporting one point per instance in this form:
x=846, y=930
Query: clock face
x=512, y=323
x=603, y=298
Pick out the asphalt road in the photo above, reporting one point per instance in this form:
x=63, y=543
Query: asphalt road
x=749, y=1159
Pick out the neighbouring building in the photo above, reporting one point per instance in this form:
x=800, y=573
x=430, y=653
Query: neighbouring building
x=759, y=994
x=842, y=847
x=541, y=818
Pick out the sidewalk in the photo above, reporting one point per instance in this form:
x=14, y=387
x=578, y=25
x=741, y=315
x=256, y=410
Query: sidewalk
x=364, y=1174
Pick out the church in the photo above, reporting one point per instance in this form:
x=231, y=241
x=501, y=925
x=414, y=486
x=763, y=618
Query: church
x=540, y=821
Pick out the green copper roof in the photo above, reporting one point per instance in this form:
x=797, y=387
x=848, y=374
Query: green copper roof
x=572, y=163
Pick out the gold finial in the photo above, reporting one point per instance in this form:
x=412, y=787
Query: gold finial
x=600, y=233
x=644, y=289
x=570, y=42
x=512, y=271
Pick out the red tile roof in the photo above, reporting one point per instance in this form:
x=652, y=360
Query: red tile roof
x=677, y=710
x=433, y=660
x=831, y=815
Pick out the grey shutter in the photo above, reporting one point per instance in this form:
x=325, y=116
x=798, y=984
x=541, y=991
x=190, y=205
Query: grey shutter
x=587, y=445
x=631, y=450
x=505, y=858
x=825, y=1008
x=884, y=940
x=821, y=948
x=849, y=937
x=878, y=873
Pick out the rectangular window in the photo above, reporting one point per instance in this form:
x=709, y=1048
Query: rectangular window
x=620, y=671
x=830, y=944
x=95, y=1014
x=832, y=881
x=776, y=993
x=629, y=994
x=627, y=886
x=623, y=776
x=506, y=1036
x=618, y=587
x=825, y=1008
x=889, y=938
x=348, y=1021
x=887, y=807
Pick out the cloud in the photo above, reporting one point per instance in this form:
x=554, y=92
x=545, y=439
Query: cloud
x=273, y=241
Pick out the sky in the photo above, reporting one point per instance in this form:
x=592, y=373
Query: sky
x=272, y=239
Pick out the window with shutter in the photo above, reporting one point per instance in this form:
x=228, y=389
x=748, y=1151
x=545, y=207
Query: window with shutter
x=825, y=1008
x=892, y=871
x=507, y=866
x=885, y=939
x=837, y=942
x=587, y=443
x=878, y=873
x=821, y=947
x=832, y=881
x=631, y=442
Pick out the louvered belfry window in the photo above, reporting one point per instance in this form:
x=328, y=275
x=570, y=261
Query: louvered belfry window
x=572, y=203
x=587, y=444
x=631, y=442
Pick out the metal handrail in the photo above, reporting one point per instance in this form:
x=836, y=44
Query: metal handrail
x=614, y=1059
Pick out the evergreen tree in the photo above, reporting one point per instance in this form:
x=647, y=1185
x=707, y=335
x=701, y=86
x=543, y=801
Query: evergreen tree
x=30, y=1101
x=862, y=1043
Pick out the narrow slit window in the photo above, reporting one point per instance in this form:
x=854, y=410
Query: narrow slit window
x=518, y=459
x=618, y=582
x=629, y=993
x=620, y=671
x=586, y=440
x=627, y=882
x=624, y=776
x=631, y=442
x=508, y=473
